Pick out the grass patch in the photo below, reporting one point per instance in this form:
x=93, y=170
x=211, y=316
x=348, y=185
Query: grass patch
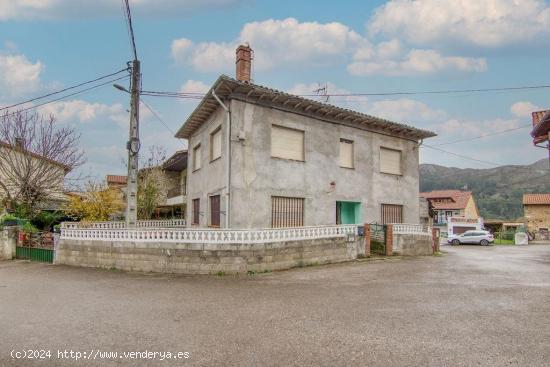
x=220, y=273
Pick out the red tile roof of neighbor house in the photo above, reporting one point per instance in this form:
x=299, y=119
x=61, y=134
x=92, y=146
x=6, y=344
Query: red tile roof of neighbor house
x=114, y=179
x=536, y=199
x=458, y=199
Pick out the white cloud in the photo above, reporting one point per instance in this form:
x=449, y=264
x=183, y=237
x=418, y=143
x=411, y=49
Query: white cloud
x=70, y=9
x=19, y=75
x=407, y=111
x=292, y=44
x=415, y=62
x=194, y=86
x=524, y=109
x=284, y=42
x=85, y=112
x=486, y=23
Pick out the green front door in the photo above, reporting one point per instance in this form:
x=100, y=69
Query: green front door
x=348, y=212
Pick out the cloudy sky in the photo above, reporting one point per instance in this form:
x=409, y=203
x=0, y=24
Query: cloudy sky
x=351, y=46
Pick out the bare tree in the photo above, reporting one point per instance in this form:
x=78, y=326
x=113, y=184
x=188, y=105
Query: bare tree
x=36, y=154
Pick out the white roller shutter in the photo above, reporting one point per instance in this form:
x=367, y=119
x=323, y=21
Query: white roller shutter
x=346, y=153
x=287, y=143
x=197, y=157
x=216, y=145
x=390, y=161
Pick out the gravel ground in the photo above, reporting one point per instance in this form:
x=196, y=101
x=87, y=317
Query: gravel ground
x=473, y=306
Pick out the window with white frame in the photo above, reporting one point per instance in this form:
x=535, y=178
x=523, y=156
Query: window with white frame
x=287, y=143
x=346, y=153
x=390, y=161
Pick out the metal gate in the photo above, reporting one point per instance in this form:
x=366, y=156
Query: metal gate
x=35, y=247
x=378, y=239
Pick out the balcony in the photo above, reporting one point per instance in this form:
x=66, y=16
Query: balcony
x=175, y=196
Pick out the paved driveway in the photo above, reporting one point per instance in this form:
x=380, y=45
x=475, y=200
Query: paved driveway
x=482, y=306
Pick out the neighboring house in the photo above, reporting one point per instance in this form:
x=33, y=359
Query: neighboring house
x=263, y=158
x=536, y=211
x=175, y=172
x=116, y=182
x=451, y=203
x=455, y=211
x=56, y=189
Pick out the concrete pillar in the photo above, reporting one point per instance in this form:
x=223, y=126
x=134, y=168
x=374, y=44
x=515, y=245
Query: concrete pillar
x=8, y=241
x=435, y=237
x=367, y=240
x=389, y=240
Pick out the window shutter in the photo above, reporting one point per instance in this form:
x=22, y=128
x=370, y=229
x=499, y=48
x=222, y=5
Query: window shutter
x=390, y=161
x=287, y=143
x=215, y=211
x=346, y=153
x=392, y=213
x=287, y=212
x=216, y=145
x=196, y=211
x=197, y=157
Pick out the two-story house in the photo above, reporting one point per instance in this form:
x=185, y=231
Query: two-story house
x=455, y=211
x=261, y=158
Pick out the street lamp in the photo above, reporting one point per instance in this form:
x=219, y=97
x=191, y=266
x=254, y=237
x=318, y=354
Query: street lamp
x=120, y=87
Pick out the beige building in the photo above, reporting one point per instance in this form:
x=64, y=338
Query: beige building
x=536, y=210
x=30, y=162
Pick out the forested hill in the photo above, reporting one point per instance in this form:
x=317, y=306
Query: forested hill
x=498, y=191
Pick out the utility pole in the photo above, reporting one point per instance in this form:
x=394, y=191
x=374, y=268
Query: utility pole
x=133, y=146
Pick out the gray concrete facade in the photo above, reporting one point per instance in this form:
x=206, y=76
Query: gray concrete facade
x=256, y=176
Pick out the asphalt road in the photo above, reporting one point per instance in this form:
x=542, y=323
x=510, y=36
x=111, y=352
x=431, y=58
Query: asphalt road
x=474, y=306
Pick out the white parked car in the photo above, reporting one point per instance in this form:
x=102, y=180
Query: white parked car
x=483, y=238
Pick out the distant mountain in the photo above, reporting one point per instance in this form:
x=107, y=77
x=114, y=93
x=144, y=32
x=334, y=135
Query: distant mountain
x=497, y=191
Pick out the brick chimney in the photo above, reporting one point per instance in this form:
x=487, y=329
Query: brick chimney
x=243, y=63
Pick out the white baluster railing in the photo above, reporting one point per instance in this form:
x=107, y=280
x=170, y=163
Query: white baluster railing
x=404, y=228
x=217, y=236
x=167, y=223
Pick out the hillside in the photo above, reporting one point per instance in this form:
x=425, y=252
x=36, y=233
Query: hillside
x=498, y=191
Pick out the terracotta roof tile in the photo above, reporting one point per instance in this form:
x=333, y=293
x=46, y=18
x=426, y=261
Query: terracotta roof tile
x=536, y=199
x=458, y=199
x=114, y=179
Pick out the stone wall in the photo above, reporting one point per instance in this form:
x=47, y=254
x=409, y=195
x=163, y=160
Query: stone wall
x=412, y=244
x=188, y=258
x=537, y=217
x=8, y=241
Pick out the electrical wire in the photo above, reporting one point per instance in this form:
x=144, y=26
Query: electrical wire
x=481, y=136
x=461, y=156
x=63, y=90
x=128, y=15
x=68, y=95
x=447, y=91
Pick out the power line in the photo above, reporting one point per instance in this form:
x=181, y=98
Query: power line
x=461, y=156
x=157, y=116
x=481, y=136
x=447, y=91
x=63, y=90
x=128, y=16
x=69, y=95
